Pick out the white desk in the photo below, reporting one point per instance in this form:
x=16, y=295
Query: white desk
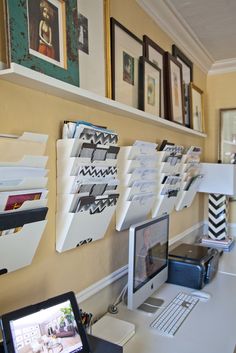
x=227, y=263
x=210, y=327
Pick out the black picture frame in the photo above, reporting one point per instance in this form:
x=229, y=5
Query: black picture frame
x=187, y=72
x=149, y=87
x=154, y=53
x=126, y=49
x=174, y=102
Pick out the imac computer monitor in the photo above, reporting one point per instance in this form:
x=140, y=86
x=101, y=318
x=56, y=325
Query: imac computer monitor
x=148, y=261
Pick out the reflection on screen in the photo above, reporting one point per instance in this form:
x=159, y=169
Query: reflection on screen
x=51, y=330
x=151, y=246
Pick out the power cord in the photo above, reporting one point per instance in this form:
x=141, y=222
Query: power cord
x=112, y=308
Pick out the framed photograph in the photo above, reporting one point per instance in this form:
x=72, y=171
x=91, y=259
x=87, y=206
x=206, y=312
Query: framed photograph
x=126, y=50
x=155, y=54
x=43, y=36
x=187, y=71
x=227, y=136
x=149, y=87
x=94, y=46
x=174, y=104
x=196, y=108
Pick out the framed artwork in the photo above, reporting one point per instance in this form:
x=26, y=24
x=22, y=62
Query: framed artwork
x=94, y=46
x=196, y=108
x=155, y=54
x=187, y=71
x=227, y=136
x=149, y=87
x=126, y=49
x=43, y=36
x=174, y=90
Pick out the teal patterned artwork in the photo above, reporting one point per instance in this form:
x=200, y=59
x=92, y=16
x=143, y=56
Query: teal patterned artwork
x=43, y=36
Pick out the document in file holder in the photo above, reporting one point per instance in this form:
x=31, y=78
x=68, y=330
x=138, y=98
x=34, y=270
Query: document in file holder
x=11, y=200
x=80, y=148
x=95, y=135
x=90, y=186
x=89, y=223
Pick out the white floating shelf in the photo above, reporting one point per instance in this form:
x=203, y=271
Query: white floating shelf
x=35, y=80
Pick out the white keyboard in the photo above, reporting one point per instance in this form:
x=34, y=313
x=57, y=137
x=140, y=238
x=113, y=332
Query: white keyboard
x=171, y=318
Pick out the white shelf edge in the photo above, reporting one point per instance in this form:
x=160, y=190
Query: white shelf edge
x=227, y=142
x=35, y=80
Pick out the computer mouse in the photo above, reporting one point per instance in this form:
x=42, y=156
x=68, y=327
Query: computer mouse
x=201, y=295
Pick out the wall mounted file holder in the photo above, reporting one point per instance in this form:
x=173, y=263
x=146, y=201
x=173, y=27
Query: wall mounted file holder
x=75, y=229
x=137, y=170
x=17, y=250
x=22, y=218
x=84, y=213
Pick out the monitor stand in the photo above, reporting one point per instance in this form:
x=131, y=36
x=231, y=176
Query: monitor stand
x=151, y=305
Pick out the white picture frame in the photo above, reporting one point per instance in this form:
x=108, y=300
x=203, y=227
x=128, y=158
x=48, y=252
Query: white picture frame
x=94, y=44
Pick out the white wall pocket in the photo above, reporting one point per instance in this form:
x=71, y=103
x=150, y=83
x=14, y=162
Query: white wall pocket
x=165, y=202
x=13, y=149
x=131, y=212
x=92, y=186
x=169, y=162
x=138, y=188
x=17, y=250
x=188, y=192
x=80, y=148
x=23, y=199
x=89, y=223
x=26, y=161
x=21, y=184
x=139, y=174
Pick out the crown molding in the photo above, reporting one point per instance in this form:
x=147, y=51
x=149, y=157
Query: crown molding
x=176, y=27
x=223, y=67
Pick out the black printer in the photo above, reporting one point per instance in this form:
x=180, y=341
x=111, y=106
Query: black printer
x=192, y=265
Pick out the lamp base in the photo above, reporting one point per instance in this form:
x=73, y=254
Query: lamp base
x=225, y=244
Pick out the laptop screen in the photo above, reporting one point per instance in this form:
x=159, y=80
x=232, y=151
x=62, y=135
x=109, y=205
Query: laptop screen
x=52, y=326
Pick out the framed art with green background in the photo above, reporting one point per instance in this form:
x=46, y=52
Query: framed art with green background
x=43, y=36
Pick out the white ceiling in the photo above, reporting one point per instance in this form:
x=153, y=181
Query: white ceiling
x=213, y=22
x=205, y=30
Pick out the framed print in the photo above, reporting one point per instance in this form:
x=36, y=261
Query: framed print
x=155, y=54
x=187, y=71
x=196, y=108
x=174, y=90
x=149, y=87
x=227, y=136
x=94, y=46
x=126, y=49
x=43, y=36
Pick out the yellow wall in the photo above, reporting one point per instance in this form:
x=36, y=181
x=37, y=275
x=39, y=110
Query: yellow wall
x=221, y=94
x=22, y=109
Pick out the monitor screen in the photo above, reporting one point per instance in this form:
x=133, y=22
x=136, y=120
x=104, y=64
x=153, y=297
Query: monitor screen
x=47, y=327
x=148, y=259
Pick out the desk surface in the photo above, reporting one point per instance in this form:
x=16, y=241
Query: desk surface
x=227, y=263
x=210, y=327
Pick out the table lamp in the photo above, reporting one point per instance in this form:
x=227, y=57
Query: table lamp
x=219, y=181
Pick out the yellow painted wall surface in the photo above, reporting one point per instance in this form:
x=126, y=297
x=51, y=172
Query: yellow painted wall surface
x=221, y=94
x=22, y=109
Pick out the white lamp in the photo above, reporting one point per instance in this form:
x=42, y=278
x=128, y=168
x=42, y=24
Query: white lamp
x=219, y=181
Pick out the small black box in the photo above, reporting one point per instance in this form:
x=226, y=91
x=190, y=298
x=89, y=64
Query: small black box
x=192, y=265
